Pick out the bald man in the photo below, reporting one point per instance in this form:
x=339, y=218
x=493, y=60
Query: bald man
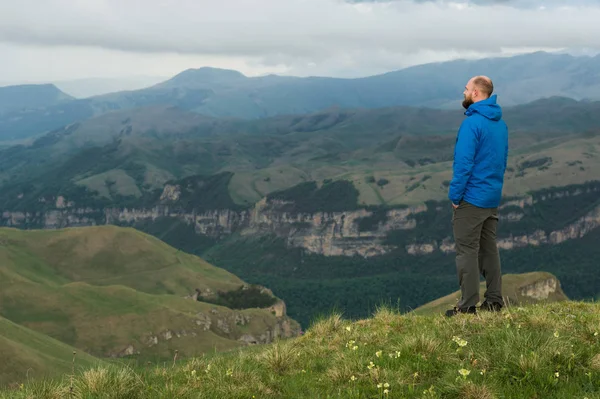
x=480, y=156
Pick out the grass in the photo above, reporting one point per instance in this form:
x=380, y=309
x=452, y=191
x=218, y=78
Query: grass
x=104, y=289
x=28, y=354
x=115, y=181
x=536, y=351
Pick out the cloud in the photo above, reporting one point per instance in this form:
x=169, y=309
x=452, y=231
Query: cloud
x=326, y=36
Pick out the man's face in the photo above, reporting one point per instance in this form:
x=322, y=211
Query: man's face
x=468, y=95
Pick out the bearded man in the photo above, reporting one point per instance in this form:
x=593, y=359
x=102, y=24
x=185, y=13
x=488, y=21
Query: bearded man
x=480, y=156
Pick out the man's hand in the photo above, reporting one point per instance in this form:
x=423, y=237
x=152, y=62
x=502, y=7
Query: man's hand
x=454, y=206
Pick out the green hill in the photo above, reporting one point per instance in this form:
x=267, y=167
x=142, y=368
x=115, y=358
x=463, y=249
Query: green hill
x=546, y=351
x=28, y=354
x=116, y=292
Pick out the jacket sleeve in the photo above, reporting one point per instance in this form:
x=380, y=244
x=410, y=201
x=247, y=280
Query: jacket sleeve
x=464, y=157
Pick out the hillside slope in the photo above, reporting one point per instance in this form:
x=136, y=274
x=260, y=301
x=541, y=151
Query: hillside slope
x=29, y=354
x=549, y=351
x=117, y=292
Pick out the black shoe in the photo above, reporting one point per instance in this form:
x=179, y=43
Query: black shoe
x=455, y=311
x=491, y=306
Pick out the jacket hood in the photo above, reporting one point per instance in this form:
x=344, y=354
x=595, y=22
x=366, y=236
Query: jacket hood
x=487, y=108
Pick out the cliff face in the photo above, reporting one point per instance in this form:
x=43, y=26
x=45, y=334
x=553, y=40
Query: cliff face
x=329, y=234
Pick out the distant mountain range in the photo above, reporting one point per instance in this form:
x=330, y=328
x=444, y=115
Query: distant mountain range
x=27, y=111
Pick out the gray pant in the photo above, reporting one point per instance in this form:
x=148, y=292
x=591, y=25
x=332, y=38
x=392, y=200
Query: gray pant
x=477, y=253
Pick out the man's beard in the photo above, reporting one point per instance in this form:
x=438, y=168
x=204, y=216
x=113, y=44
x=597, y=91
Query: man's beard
x=467, y=102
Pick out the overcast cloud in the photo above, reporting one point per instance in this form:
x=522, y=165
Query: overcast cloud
x=62, y=39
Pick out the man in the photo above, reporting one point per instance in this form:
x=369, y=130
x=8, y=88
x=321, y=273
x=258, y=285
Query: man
x=480, y=156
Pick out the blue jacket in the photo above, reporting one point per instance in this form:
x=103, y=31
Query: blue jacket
x=480, y=156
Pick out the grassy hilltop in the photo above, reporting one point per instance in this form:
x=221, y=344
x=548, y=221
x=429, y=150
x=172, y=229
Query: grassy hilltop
x=535, y=351
x=117, y=292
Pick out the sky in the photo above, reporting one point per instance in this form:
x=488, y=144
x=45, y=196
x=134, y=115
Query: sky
x=54, y=40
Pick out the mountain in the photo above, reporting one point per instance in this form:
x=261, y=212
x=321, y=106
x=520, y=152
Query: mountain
x=126, y=157
x=31, y=355
x=225, y=93
x=89, y=87
x=116, y=292
x=26, y=99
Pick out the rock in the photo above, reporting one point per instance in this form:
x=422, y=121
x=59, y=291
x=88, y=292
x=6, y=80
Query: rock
x=248, y=339
x=223, y=326
x=203, y=321
x=128, y=351
x=540, y=289
x=241, y=319
x=279, y=309
x=170, y=193
x=151, y=341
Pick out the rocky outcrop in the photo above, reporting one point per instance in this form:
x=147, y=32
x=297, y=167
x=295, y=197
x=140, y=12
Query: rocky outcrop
x=539, y=290
x=577, y=229
x=325, y=233
x=226, y=324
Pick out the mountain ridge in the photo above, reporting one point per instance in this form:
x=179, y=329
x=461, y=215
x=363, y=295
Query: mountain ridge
x=224, y=93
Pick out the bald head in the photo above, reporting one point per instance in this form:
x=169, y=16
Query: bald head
x=483, y=84
x=478, y=88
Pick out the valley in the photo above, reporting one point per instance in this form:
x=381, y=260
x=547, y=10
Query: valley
x=190, y=217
